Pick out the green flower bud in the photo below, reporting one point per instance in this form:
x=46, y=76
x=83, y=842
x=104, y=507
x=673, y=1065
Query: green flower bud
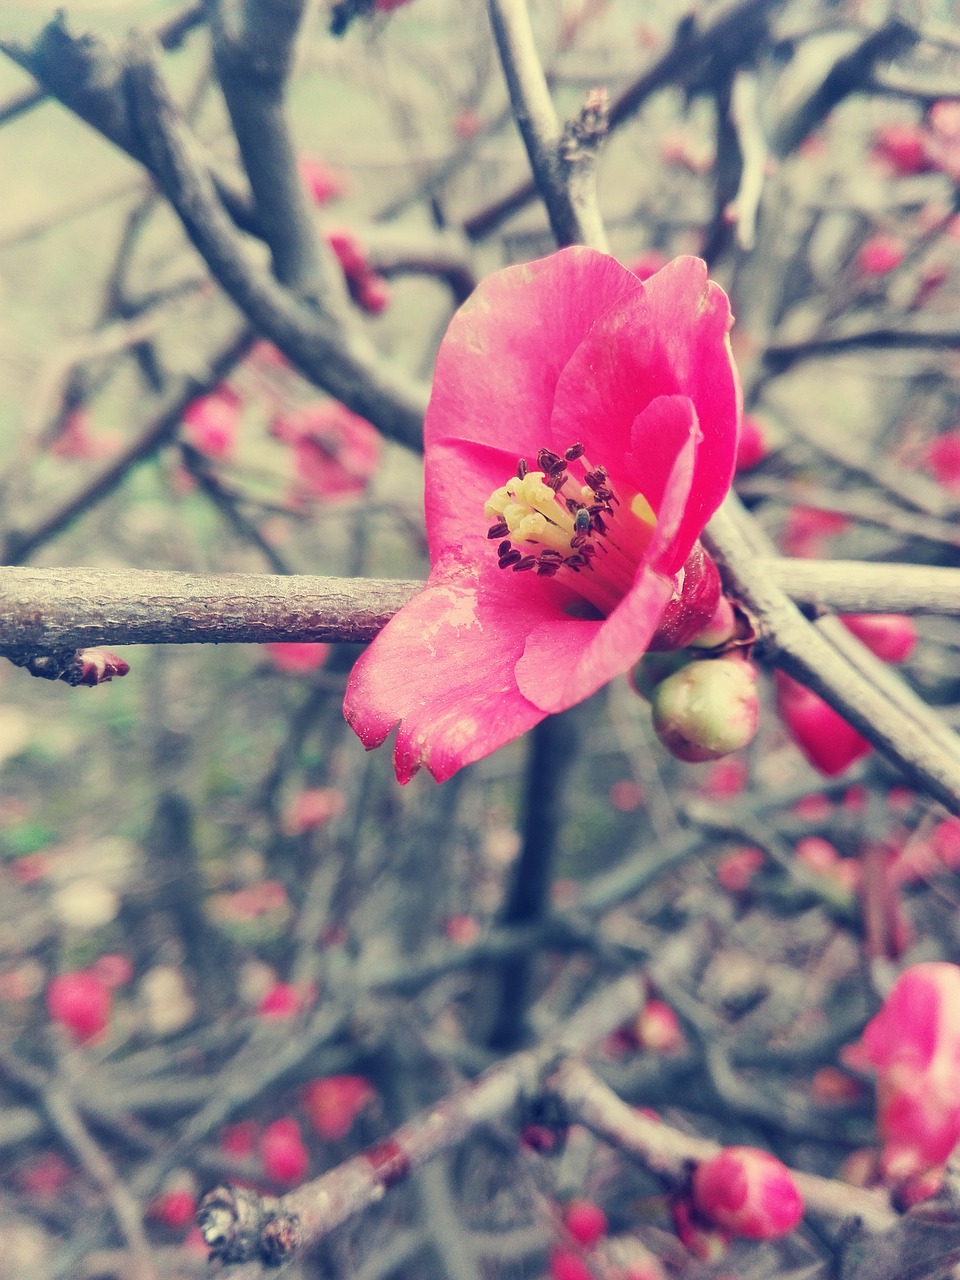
x=707, y=709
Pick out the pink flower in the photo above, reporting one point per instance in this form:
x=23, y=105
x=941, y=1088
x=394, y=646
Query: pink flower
x=320, y=180
x=748, y=1192
x=942, y=459
x=581, y=431
x=880, y=255
x=914, y=1044
x=335, y=452
x=211, y=422
x=81, y=1003
x=297, y=658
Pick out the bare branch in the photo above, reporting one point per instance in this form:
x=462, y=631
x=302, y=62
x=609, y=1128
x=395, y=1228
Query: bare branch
x=539, y=125
x=53, y=609
x=240, y=1226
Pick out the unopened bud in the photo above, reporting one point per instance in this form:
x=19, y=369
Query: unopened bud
x=707, y=709
x=748, y=1192
x=97, y=666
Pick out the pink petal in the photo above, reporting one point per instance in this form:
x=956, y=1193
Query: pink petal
x=443, y=667
x=565, y=661
x=691, y=317
x=499, y=363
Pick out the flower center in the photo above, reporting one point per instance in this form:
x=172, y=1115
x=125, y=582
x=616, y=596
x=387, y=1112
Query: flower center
x=554, y=521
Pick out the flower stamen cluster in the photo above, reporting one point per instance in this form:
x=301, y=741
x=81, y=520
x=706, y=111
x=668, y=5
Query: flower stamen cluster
x=583, y=527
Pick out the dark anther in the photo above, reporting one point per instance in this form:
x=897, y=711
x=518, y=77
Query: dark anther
x=509, y=558
x=504, y=547
x=599, y=524
x=498, y=530
x=575, y=451
x=573, y=506
x=550, y=554
x=547, y=568
x=547, y=459
x=557, y=481
x=578, y=540
x=522, y=468
x=596, y=478
x=587, y=550
x=525, y=562
x=603, y=494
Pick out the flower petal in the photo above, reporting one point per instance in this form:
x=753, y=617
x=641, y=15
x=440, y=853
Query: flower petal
x=671, y=342
x=499, y=363
x=443, y=667
x=566, y=661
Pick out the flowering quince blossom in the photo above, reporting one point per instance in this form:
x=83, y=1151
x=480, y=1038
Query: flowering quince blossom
x=913, y=1043
x=581, y=431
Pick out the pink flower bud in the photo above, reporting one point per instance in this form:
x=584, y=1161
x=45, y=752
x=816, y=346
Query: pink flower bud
x=736, y=869
x=81, y=1003
x=313, y=808
x=281, y=1001
x=657, y=1028
x=942, y=460
x=914, y=1044
x=748, y=1192
x=753, y=447
x=334, y=1102
x=285, y=1158
x=903, y=147
x=707, y=709
x=349, y=253
x=585, y=1221
x=891, y=636
x=372, y=294
x=565, y=1265
x=238, y=1140
x=880, y=255
x=296, y=658
x=829, y=743
x=807, y=530
x=97, y=666
x=320, y=180
x=211, y=422
x=693, y=605
x=648, y=263
x=176, y=1209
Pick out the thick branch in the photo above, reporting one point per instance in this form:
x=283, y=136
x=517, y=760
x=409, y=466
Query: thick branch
x=75, y=608
x=46, y=609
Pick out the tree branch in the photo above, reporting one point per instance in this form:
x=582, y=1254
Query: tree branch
x=47, y=609
x=572, y=222
x=795, y=644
